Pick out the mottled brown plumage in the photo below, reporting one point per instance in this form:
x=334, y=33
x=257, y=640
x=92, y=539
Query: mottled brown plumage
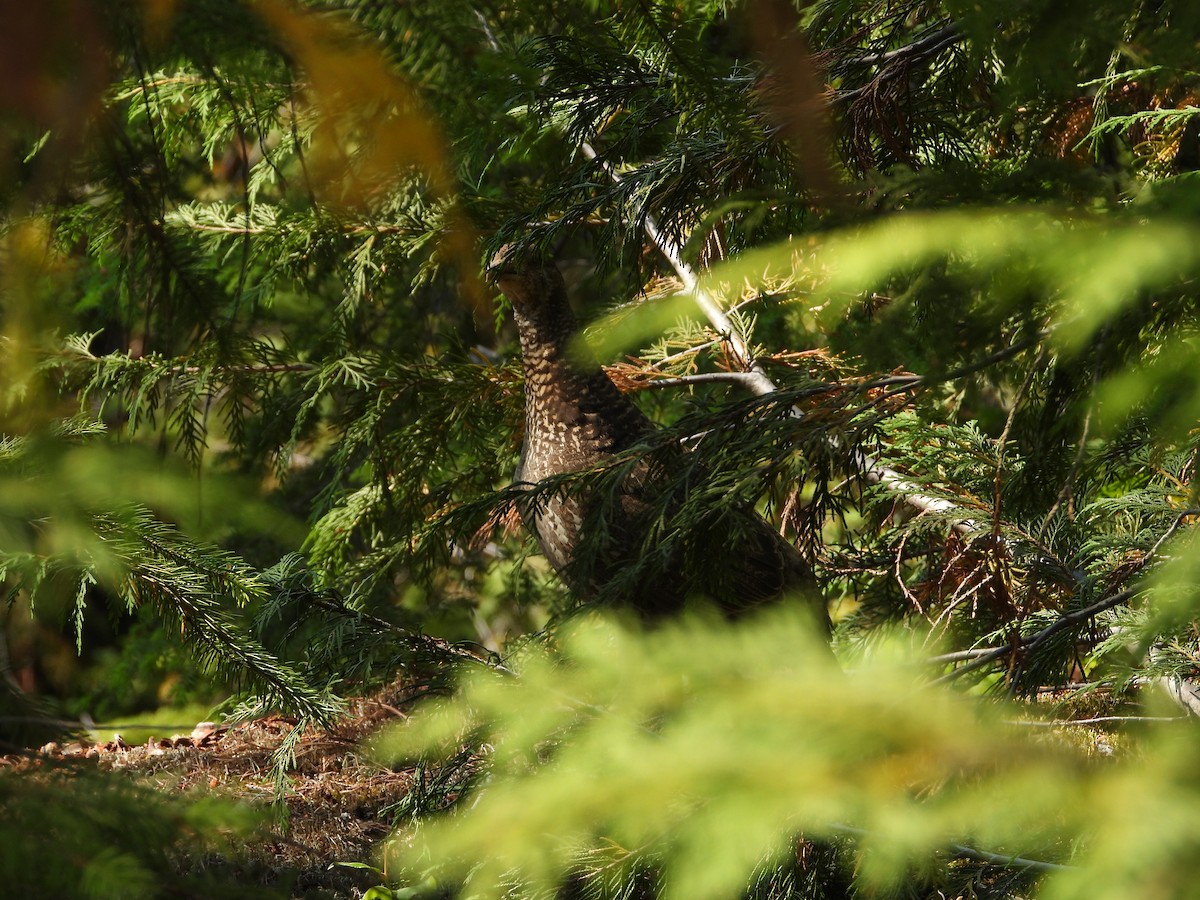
x=577, y=419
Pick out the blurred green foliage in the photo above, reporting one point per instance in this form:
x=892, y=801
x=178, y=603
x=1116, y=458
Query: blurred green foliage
x=89, y=836
x=258, y=413
x=704, y=754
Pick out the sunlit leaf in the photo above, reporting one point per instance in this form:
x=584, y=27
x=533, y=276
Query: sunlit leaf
x=1088, y=270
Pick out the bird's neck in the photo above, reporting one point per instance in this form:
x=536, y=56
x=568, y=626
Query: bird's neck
x=559, y=367
x=574, y=415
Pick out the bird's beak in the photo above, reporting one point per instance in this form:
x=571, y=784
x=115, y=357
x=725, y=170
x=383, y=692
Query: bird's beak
x=501, y=265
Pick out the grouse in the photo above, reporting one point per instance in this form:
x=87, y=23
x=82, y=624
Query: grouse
x=577, y=419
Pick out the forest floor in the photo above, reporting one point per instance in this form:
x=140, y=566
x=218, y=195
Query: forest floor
x=322, y=836
x=338, y=804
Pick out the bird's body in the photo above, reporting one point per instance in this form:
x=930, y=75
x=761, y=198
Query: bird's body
x=577, y=419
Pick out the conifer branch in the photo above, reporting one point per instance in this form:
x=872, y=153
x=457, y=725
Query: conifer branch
x=982, y=656
x=1033, y=641
x=760, y=383
x=260, y=229
x=938, y=40
x=906, y=383
x=757, y=380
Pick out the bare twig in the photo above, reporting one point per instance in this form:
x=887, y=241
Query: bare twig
x=1096, y=720
x=1170, y=532
x=943, y=37
x=1064, y=495
x=258, y=229
x=1033, y=641
x=963, y=851
x=683, y=354
x=248, y=369
x=919, y=51
x=984, y=655
x=1011, y=862
x=745, y=379
x=960, y=655
x=1002, y=442
x=434, y=646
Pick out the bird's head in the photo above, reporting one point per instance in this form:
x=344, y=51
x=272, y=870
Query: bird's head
x=532, y=286
x=538, y=295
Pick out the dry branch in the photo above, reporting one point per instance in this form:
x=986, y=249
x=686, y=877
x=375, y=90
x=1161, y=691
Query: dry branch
x=758, y=382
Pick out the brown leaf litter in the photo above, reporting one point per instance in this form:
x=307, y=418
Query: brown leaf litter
x=338, y=800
